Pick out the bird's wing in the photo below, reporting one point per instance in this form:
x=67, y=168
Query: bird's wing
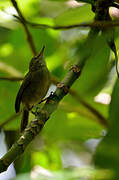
x=25, y=84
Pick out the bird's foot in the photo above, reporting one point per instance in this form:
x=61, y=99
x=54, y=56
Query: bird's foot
x=35, y=112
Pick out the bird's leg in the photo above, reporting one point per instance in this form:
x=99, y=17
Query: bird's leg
x=45, y=99
x=33, y=112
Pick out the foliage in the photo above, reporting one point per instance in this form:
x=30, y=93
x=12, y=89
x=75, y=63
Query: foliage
x=65, y=135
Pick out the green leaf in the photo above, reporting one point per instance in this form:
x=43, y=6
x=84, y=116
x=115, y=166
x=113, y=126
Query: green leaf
x=74, y=16
x=95, y=71
x=107, y=152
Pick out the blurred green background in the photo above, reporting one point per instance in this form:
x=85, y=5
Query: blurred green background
x=66, y=148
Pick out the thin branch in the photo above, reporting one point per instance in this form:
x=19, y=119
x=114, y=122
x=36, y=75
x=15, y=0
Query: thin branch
x=102, y=120
x=64, y=106
x=23, y=21
x=99, y=24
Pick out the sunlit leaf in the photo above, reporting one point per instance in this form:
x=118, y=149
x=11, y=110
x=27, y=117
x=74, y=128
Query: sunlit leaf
x=74, y=16
x=95, y=72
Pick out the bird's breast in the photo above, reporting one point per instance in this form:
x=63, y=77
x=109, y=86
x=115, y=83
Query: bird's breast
x=37, y=88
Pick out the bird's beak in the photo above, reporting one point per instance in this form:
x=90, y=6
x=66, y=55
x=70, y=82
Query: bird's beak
x=42, y=52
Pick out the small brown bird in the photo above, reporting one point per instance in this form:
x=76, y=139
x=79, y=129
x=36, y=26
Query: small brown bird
x=33, y=88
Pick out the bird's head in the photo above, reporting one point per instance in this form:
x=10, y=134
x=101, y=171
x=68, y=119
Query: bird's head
x=37, y=61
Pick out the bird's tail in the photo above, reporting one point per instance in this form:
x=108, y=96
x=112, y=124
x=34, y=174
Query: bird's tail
x=24, y=120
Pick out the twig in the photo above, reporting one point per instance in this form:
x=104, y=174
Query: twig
x=81, y=25
x=23, y=21
x=102, y=120
x=100, y=117
x=64, y=106
x=99, y=24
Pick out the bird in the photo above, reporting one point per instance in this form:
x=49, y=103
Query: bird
x=34, y=87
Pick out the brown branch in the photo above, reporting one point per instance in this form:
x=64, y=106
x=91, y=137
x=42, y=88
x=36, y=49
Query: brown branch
x=28, y=34
x=99, y=24
x=102, y=120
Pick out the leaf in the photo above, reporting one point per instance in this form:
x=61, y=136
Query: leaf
x=74, y=16
x=107, y=152
x=95, y=71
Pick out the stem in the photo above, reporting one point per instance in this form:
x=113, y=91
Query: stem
x=99, y=24
x=28, y=34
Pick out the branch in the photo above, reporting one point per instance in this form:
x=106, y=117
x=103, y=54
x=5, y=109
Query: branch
x=99, y=24
x=68, y=107
x=28, y=34
x=50, y=106
x=101, y=119
x=36, y=125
